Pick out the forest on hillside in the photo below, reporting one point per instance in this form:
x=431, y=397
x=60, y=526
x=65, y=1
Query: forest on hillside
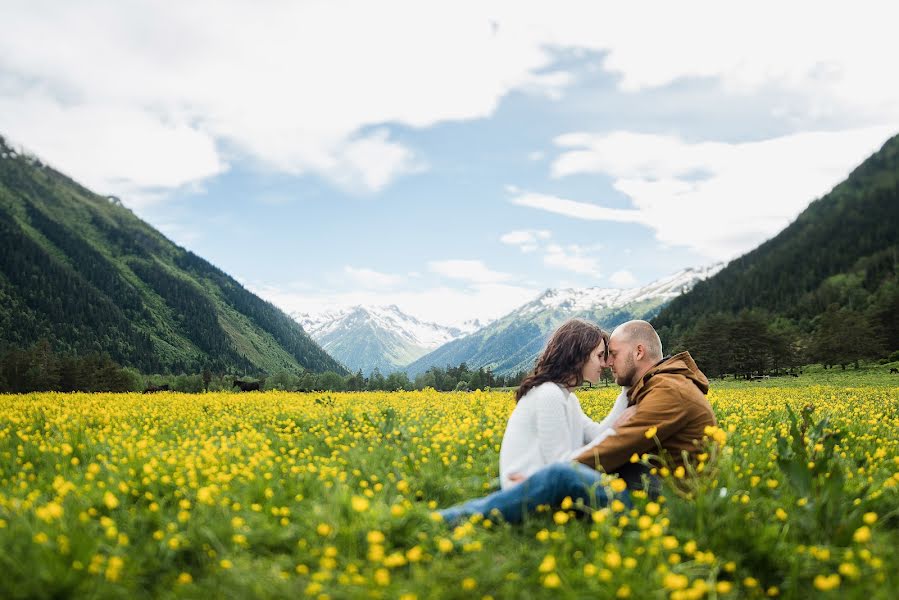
x=825, y=289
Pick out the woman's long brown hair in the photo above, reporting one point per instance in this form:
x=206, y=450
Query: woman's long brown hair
x=565, y=354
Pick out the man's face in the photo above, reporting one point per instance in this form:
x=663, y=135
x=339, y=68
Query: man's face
x=621, y=361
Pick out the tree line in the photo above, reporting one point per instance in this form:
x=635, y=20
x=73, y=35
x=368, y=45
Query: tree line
x=750, y=343
x=459, y=378
x=754, y=343
x=39, y=368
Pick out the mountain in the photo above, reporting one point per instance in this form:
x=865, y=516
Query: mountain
x=513, y=342
x=377, y=337
x=83, y=272
x=841, y=253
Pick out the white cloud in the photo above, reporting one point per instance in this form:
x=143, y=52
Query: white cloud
x=371, y=163
x=578, y=259
x=111, y=149
x=764, y=44
x=443, y=305
x=576, y=209
x=719, y=199
x=474, y=271
x=572, y=257
x=526, y=240
x=369, y=278
x=291, y=85
x=623, y=279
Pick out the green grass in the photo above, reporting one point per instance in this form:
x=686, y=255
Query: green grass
x=282, y=495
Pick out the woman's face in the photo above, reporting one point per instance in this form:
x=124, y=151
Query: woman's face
x=592, y=369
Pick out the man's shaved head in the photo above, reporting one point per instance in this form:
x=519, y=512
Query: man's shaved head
x=634, y=348
x=640, y=332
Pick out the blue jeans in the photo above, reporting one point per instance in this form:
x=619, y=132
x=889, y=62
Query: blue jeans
x=550, y=485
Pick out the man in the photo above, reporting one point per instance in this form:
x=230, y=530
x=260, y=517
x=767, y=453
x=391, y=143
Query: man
x=666, y=402
x=665, y=394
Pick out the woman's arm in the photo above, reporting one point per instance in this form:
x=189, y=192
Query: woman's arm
x=553, y=427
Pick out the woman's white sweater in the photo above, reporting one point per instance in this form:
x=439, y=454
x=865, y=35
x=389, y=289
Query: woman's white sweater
x=547, y=426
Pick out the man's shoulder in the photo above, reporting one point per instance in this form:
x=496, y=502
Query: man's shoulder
x=674, y=385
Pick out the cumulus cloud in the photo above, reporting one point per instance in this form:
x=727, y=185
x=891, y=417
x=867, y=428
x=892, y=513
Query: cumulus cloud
x=791, y=47
x=112, y=149
x=292, y=85
x=289, y=85
x=473, y=271
x=720, y=199
x=527, y=240
x=372, y=162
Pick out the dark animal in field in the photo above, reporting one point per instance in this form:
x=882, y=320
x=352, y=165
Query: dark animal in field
x=794, y=374
x=246, y=386
x=894, y=370
x=151, y=389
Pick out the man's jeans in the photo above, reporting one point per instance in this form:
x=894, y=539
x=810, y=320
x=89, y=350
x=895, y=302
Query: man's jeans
x=550, y=485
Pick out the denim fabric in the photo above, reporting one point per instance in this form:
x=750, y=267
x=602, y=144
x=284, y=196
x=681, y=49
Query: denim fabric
x=550, y=485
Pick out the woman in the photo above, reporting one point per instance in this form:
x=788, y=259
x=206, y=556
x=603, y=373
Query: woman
x=548, y=425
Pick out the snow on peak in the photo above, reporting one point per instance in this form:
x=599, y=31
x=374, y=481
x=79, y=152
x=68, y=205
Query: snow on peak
x=430, y=336
x=578, y=299
x=388, y=318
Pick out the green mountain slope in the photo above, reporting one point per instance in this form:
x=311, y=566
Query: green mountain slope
x=85, y=273
x=843, y=251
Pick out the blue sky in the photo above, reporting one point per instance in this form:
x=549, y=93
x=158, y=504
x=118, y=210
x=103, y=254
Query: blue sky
x=460, y=159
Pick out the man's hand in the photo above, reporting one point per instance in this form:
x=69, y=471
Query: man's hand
x=625, y=416
x=516, y=477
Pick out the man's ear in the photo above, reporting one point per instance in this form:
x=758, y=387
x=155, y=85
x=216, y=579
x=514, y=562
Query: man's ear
x=639, y=351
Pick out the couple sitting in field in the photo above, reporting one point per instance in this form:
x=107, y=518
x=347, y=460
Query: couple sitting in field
x=551, y=450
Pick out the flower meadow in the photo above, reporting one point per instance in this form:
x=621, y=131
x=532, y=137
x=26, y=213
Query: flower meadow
x=287, y=495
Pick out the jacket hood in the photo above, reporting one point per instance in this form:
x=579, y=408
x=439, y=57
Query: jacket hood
x=679, y=364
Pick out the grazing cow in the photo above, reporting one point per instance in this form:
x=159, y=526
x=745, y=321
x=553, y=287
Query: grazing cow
x=894, y=370
x=246, y=386
x=152, y=389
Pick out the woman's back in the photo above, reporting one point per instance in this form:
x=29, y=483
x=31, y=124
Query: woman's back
x=546, y=425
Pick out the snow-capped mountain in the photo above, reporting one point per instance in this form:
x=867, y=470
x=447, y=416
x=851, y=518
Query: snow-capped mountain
x=586, y=299
x=513, y=342
x=382, y=337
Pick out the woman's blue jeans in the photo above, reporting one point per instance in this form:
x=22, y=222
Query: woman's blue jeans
x=550, y=485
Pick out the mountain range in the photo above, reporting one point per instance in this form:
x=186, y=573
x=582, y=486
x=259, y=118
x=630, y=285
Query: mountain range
x=84, y=273
x=377, y=337
x=512, y=343
x=365, y=338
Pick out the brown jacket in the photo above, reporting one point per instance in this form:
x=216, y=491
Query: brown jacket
x=671, y=397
